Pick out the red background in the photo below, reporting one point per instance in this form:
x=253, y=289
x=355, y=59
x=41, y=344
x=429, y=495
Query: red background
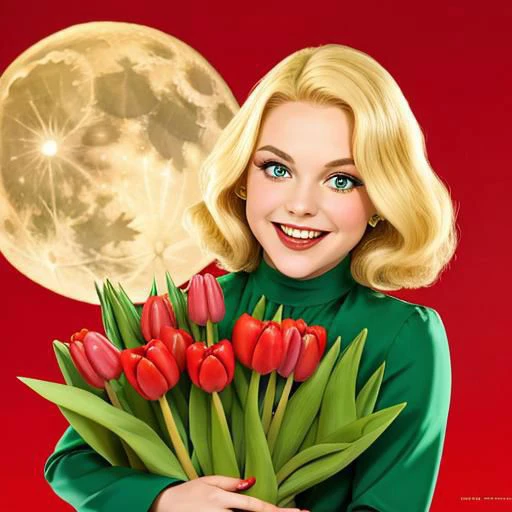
x=453, y=65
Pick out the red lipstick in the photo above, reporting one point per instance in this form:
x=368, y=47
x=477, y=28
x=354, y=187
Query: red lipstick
x=296, y=244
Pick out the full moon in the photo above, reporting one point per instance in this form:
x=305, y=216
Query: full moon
x=103, y=129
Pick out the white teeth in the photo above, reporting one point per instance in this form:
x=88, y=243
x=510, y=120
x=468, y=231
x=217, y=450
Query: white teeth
x=296, y=233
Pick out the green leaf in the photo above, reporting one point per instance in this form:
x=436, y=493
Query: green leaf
x=302, y=409
x=109, y=322
x=179, y=303
x=128, y=326
x=226, y=395
x=258, y=461
x=259, y=310
x=181, y=404
x=137, y=405
x=223, y=451
x=367, y=396
x=309, y=455
x=140, y=437
x=154, y=290
x=69, y=371
x=268, y=402
x=278, y=317
x=99, y=438
x=324, y=467
x=200, y=430
x=310, y=438
x=240, y=382
x=237, y=429
x=129, y=307
x=339, y=401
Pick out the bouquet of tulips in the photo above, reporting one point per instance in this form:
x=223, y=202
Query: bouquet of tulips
x=160, y=393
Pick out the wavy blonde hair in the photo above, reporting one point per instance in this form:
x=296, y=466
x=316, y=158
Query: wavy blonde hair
x=418, y=237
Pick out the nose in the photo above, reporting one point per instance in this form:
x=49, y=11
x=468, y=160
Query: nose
x=302, y=200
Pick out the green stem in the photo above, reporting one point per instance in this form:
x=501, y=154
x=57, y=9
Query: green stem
x=210, y=333
x=133, y=458
x=177, y=442
x=268, y=402
x=278, y=416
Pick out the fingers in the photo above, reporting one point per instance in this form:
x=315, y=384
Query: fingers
x=242, y=502
x=223, y=482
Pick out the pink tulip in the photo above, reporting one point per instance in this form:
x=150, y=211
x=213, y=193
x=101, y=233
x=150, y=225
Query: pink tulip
x=205, y=300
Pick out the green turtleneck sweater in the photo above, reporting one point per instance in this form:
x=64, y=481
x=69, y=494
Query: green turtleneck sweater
x=397, y=473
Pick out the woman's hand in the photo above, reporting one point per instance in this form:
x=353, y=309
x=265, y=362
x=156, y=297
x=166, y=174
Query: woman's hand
x=213, y=493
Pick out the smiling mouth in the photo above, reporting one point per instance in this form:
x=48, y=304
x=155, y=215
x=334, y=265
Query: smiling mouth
x=278, y=226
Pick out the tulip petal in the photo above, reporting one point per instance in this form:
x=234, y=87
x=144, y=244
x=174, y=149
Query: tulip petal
x=195, y=356
x=151, y=381
x=293, y=347
x=321, y=335
x=130, y=358
x=213, y=375
x=268, y=353
x=177, y=341
x=77, y=352
x=164, y=361
x=197, y=302
x=103, y=356
x=224, y=352
x=244, y=338
x=215, y=298
x=308, y=359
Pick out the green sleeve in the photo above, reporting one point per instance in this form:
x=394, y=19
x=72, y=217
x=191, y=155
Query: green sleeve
x=85, y=480
x=398, y=472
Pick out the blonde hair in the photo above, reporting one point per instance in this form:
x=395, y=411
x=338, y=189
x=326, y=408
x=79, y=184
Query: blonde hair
x=418, y=236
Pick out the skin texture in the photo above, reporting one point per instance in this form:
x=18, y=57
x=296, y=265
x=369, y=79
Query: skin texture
x=305, y=193
x=210, y=494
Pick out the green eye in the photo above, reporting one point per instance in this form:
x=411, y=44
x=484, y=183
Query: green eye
x=345, y=179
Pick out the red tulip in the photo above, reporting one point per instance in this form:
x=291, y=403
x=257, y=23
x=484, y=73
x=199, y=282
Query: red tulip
x=313, y=343
x=177, y=341
x=150, y=369
x=77, y=352
x=156, y=312
x=258, y=344
x=95, y=357
x=205, y=300
x=212, y=368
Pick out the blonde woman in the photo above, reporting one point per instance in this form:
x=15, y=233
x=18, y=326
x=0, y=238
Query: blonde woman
x=319, y=195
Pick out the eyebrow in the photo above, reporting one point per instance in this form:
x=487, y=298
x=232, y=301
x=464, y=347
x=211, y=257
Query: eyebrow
x=288, y=158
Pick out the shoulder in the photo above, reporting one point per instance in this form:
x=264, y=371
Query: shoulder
x=413, y=330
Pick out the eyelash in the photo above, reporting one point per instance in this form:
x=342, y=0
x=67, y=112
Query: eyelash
x=269, y=163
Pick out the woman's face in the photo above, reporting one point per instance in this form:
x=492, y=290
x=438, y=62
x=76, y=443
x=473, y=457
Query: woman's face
x=292, y=179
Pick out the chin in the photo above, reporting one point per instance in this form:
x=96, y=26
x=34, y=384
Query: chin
x=294, y=266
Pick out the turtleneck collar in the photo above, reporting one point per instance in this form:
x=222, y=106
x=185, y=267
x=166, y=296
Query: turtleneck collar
x=283, y=289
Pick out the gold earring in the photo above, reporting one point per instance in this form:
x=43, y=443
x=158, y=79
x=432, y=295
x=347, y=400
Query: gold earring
x=241, y=193
x=374, y=220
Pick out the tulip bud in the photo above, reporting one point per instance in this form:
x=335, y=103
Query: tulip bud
x=156, y=312
x=151, y=369
x=212, y=368
x=257, y=344
x=205, y=300
x=177, y=341
x=77, y=352
x=103, y=355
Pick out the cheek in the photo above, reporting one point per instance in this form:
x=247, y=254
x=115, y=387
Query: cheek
x=348, y=213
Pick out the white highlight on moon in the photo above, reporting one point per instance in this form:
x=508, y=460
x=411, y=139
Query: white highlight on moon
x=49, y=147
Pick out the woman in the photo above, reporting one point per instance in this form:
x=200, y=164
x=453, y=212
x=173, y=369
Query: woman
x=317, y=194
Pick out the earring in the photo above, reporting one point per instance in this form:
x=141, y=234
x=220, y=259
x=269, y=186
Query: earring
x=241, y=193
x=374, y=220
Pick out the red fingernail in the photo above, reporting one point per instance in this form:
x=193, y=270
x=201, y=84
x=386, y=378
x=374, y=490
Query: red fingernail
x=245, y=484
